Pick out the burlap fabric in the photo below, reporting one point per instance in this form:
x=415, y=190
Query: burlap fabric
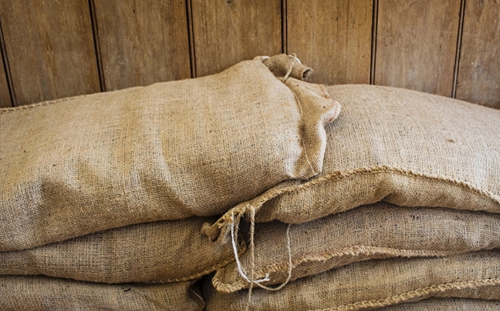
x=166, y=251
x=167, y=151
x=23, y=293
x=400, y=146
x=456, y=304
x=375, y=231
x=375, y=283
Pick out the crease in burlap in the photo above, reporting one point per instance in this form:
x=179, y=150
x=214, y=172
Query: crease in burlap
x=375, y=284
x=399, y=146
x=27, y=293
x=167, y=151
x=165, y=251
x=374, y=231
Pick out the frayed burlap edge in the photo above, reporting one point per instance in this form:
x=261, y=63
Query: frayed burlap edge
x=413, y=295
x=41, y=104
x=354, y=251
x=220, y=229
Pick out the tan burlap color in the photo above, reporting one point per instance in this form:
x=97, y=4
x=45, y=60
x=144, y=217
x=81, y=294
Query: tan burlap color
x=374, y=231
x=29, y=293
x=403, y=147
x=167, y=151
x=375, y=283
x=165, y=251
x=456, y=304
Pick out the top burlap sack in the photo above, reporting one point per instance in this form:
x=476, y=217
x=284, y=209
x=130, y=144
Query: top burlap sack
x=399, y=146
x=167, y=151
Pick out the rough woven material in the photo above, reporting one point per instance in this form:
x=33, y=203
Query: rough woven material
x=380, y=230
x=167, y=151
x=167, y=251
x=404, y=147
x=23, y=293
x=375, y=283
x=456, y=304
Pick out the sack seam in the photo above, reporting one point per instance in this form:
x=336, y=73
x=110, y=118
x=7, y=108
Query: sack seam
x=273, y=193
x=36, y=105
x=338, y=175
x=422, y=292
x=353, y=251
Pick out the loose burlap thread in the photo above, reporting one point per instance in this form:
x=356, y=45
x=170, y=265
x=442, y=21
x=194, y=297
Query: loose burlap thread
x=403, y=147
x=374, y=231
x=167, y=151
x=376, y=284
x=165, y=251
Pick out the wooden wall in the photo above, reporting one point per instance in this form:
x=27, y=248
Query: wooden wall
x=52, y=49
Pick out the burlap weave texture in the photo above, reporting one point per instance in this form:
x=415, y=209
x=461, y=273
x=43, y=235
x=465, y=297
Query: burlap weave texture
x=374, y=284
x=399, y=146
x=167, y=151
x=29, y=293
x=164, y=251
x=374, y=231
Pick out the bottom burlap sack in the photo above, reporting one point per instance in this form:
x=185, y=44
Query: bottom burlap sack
x=167, y=251
x=446, y=305
x=374, y=231
x=28, y=293
x=374, y=283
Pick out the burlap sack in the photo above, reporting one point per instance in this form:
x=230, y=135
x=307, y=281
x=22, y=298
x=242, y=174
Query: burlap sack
x=375, y=283
x=400, y=146
x=456, y=304
x=375, y=231
x=166, y=151
x=167, y=251
x=23, y=293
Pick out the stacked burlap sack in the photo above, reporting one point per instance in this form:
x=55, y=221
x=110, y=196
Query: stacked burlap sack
x=103, y=197
x=407, y=208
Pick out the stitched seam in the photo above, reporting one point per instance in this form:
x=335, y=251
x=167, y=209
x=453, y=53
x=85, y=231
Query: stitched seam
x=338, y=175
x=36, y=105
x=354, y=251
x=417, y=293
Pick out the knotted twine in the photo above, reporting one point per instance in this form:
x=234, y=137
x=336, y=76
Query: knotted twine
x=223, y=225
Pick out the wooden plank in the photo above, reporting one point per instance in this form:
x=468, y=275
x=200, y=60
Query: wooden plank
x=479, y=69
x=50, y=48
x=416, y=44
x=228, y=31
x=142, y=42
x=333, y=37
x=5, y=100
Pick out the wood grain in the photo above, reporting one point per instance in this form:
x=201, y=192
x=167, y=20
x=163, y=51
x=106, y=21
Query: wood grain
x=416, y=44
x=479, y=69
x=50, y=48
x=142, y=42
x=333, y=37
x=5, y=100
x=228, y=31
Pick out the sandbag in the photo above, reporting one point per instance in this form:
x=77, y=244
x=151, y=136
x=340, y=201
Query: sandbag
x=374, y=284
x=163, y=251
x=28, y=293
x=167, y=151
x=376, y=231
x=395, y=145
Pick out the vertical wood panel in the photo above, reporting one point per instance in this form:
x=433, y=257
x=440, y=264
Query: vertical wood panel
x=333, y=37
x=142, y=42
x=416, y=44
x=479, y=70
x=50, y=48
x=5, y=100
x=228, y=31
